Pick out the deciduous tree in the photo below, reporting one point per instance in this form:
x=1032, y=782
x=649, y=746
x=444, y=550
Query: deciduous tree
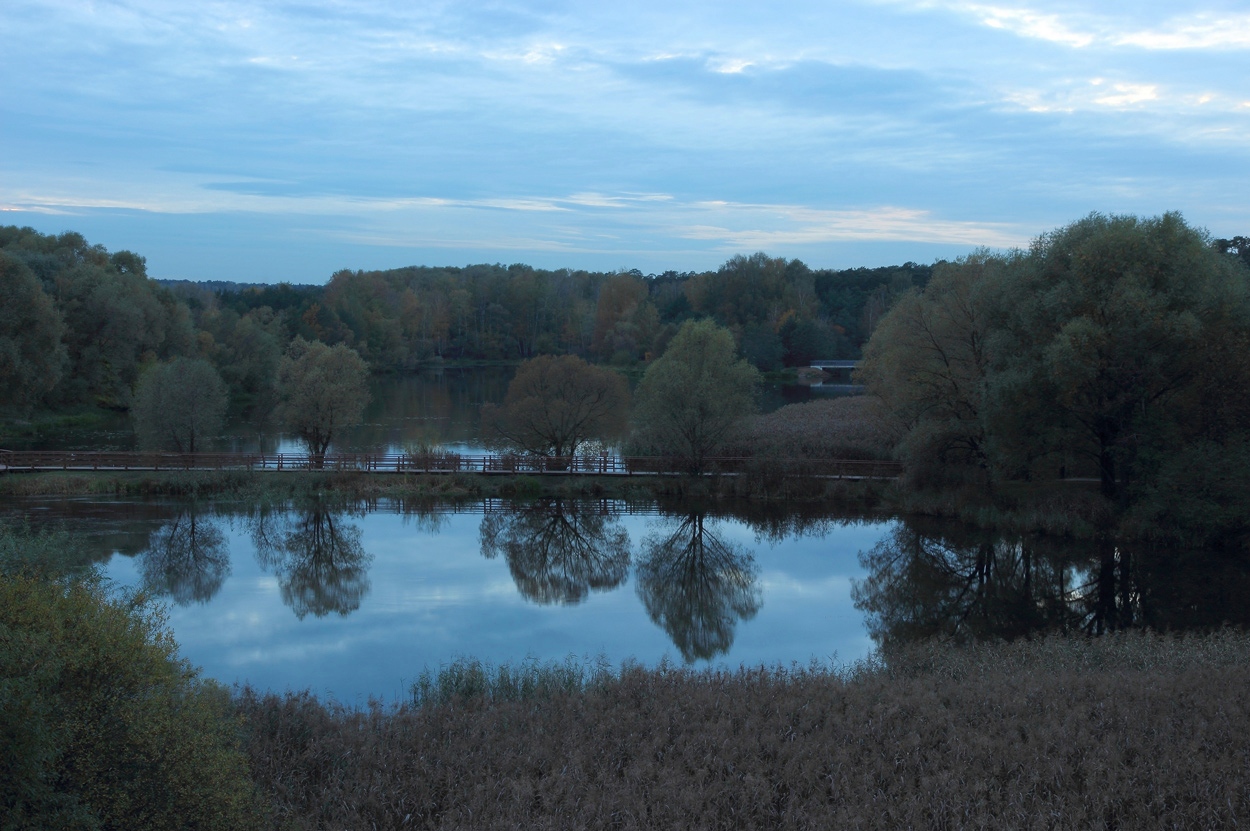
x=179, y=405
x=693, y=396
x=317, y=556
x=558, y=552
x=31, y=353
x=322, y=389
x=928, y=362
x=1115, y=345
x=187, y=558
x=1109, y=326
x=554, y=405
x=697, y=585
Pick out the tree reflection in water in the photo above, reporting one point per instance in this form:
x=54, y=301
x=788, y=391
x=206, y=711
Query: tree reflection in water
x=696, y=586
x=939, y=580
x=557, y=551
x=186, y=558
x=317, y=557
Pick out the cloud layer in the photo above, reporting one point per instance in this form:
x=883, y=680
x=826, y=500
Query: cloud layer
x=283, y=141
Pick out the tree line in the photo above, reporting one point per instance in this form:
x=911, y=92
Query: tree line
x=781, y=312
x=83, y=327
x=1116, y=348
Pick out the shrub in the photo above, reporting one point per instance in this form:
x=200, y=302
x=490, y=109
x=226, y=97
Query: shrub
x=102, y=726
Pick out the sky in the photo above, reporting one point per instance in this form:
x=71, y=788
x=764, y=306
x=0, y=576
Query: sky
x=287, y=140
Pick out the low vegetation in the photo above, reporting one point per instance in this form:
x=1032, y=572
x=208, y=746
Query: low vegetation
x=1126, y=731
x=849, y=427
x=104, y=727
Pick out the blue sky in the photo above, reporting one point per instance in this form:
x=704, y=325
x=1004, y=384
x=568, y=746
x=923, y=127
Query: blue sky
x=284, y=141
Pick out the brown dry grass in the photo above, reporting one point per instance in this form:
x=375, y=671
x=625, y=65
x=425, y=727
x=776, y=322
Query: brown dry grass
x=1125, y=732
x=852, y=427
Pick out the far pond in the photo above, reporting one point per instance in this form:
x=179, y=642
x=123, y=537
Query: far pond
x=431, y=408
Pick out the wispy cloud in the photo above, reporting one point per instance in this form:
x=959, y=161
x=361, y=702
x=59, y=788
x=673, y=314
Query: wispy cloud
x=1080, y=29
x=1195, y=32
x=731, y=225
x=776, y=226
x=1031, y=24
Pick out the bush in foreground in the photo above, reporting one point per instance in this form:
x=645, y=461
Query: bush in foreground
x=1128, y=731
x=101, y=725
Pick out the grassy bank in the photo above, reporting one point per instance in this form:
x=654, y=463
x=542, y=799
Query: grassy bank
x=1128, y=731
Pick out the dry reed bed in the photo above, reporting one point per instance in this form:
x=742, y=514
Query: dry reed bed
x=852, y=427
x=1127, y=732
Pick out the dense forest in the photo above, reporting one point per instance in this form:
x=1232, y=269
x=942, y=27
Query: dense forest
x=80, y=324
x=781, y=312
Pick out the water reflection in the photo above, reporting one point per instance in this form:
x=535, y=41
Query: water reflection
x=558, y=551
x=696, y=579
x=186, y=558
x=696, y=585
x=929, y=579
x=317, y=556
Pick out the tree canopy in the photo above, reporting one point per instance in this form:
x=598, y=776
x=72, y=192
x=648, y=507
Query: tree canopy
x=693, y=396
x=1112, y=348
x=32, y=355
x=179, y=405
x=554, y=405
x=86, y=322
x=322, y=389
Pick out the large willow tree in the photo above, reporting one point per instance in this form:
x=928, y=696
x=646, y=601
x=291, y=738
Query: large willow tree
x=1116, y=347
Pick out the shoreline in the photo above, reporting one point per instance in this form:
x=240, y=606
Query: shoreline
x=1075, y=513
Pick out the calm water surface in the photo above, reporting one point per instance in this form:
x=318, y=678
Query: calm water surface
x=354, y=601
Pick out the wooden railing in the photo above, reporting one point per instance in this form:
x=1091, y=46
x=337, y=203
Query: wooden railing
x=601, y=464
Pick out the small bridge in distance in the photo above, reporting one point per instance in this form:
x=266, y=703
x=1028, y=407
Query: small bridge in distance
x=841, y=372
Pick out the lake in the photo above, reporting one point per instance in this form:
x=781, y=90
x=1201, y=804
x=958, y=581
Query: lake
x=353, y=601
